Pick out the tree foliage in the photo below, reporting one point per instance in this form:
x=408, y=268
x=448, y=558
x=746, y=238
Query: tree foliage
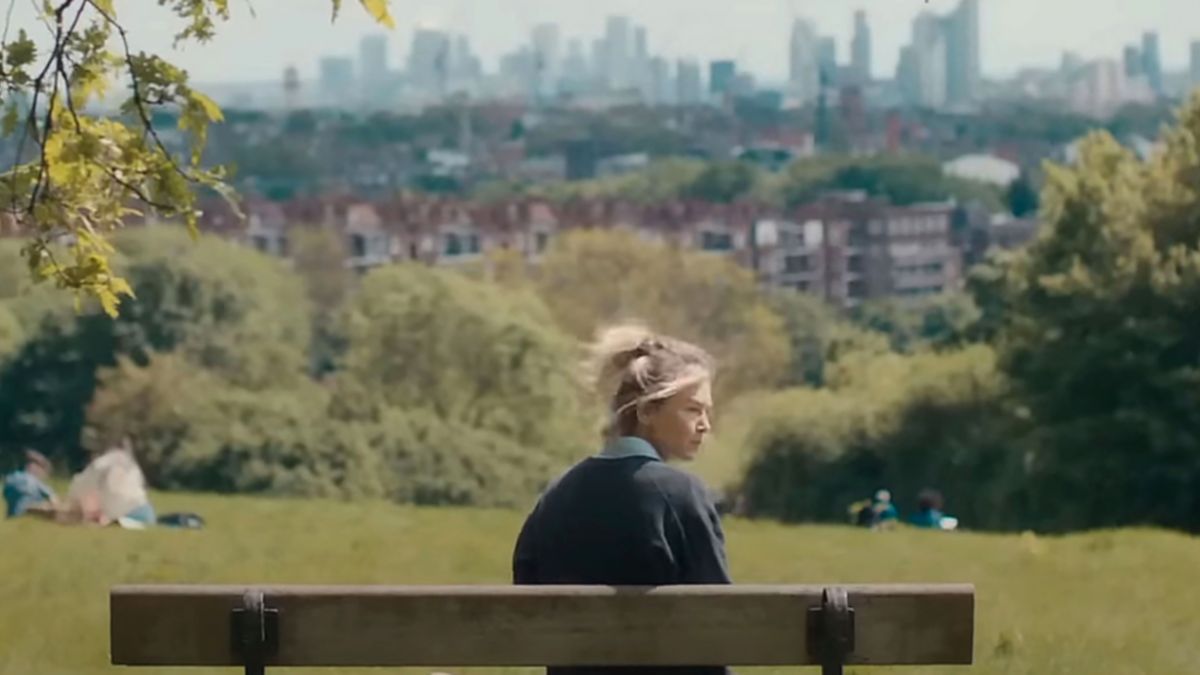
x=318, y=255
x=1021, y=197
x=903, y=180
x=591, y=278
x=723, y=182
x=912, y=324
x=901, y=422
x=223, y=308
x=78, y=176
x=1096, y=326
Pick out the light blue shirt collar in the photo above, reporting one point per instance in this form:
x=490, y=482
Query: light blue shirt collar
x=629, y=446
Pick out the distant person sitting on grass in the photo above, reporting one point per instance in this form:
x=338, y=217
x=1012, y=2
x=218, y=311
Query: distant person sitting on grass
x=929, y=512
x=877, y=513
x=112, y=489
x=26, y=491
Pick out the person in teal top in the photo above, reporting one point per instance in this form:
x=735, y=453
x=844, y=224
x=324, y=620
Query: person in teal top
x=929, y=510
x=26, y=491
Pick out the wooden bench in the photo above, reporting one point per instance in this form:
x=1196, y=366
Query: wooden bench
x=463, y=626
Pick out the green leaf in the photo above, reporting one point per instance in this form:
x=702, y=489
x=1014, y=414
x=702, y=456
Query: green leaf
x=378, y=9
x=20, y=52
x=11, y=119
x=337, y=7
x=209, y=106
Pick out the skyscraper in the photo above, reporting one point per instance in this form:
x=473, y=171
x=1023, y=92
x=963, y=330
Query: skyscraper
x=907, y=77
x=575, y=68
x=827, y=60
x=1152, y=62
x=464, y=65
x=860, y=48
x=372, y=59
x=962, y=47
x=1133, y=61
x=689, y=82
x=804, y=69
x=641, y=45
x=618, y=50
x=336, y=76
x=519, y=71
x=930, y=59
x=640, y=74
x=721, y=76
x=429, y=60
x=662, y=86
x=547, y=59
x=599, y=71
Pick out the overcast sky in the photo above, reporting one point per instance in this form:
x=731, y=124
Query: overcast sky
x=1016, y=33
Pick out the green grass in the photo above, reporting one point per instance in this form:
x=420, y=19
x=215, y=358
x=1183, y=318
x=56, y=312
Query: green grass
x=1121, y=602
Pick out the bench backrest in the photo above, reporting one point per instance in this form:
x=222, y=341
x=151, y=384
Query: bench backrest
x=740, y=625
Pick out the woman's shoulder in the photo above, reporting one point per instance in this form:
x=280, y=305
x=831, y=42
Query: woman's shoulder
x=677, y=485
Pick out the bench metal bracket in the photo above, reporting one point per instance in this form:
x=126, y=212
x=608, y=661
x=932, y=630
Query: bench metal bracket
x=831, y=630
x=254, y=631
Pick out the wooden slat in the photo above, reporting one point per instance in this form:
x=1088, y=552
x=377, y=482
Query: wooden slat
x=540, y=625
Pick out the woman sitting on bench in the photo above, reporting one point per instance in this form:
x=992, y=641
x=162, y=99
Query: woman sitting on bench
x=625, y=517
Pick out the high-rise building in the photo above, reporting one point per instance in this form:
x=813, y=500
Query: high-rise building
x=860, y=48
x=1133, y=61
x=547, y=59
x=519, y=71
x=336, y=77
x=1195, y=63
x=599, y=71
x=962, y=47
x=465, y=66
x=1099, y=88
x=1152, y=62
x=372, y=59
x=907, y=78
x=689, y=83
x=827, y=60
x=429, y=61
x=575, y=68
x=662, y=86
x=618, y=50
x=721, y=77
x=639, y=65
x=930, y=61
x=804, y=68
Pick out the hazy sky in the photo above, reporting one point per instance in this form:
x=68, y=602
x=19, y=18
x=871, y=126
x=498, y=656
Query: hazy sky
x=1016, y=33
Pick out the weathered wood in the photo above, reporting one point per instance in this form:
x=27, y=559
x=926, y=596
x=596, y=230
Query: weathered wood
x=540, y=625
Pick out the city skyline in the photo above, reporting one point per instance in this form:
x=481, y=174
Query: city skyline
x=1018, y=33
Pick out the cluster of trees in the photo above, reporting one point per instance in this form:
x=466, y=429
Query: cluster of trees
x=236, y=372
x=1066, y=399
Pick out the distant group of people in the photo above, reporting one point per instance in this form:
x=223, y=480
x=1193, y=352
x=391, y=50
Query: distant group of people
x=111, y=489
x=880, y=512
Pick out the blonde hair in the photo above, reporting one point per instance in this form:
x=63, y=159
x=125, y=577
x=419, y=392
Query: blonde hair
x=631, y=366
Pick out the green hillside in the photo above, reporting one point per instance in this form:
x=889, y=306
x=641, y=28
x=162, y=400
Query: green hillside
x=1116, y=602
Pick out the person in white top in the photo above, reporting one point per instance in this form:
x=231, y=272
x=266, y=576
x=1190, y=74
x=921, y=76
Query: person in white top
x=112, y=489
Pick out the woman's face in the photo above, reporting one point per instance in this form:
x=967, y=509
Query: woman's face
x=677, y=426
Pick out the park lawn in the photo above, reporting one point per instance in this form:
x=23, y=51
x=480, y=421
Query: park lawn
x=1112, y=602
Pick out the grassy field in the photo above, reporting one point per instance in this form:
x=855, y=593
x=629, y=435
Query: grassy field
x=1107, y=602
